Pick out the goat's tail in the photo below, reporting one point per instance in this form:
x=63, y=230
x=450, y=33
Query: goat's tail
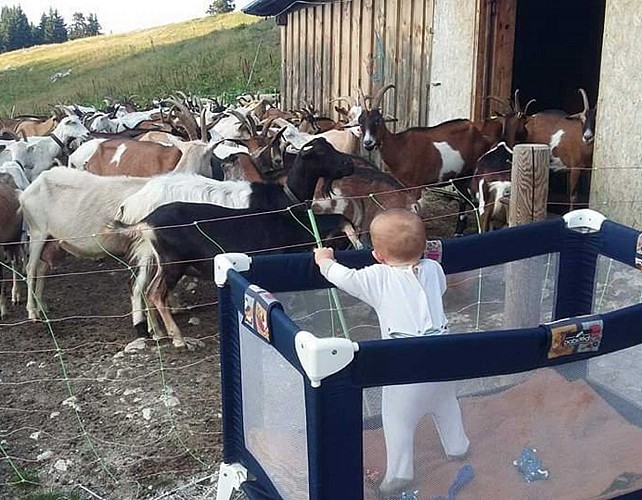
x=138, y=240
x=144, y=262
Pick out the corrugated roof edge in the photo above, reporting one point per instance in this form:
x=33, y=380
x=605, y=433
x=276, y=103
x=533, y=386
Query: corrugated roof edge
x=268, y=7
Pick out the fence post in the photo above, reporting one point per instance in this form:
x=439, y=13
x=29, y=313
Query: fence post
x=529, y=194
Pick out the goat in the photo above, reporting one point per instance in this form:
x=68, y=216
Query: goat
x=570, y=138
x=316, y=160
x=17, y=173
x=38, y=154
x=180, y=237
x=10, y=238
x=491, y=184
x=345, y=140
x=421, y=156
x=508, y=126
x=358, y=197
x=69, y=209
x=145, y=159
x=38, y=127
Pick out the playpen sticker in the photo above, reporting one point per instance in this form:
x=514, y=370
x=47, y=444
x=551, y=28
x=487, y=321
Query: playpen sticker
x=257, y=305
x=575, y=336
x=638, y=253
x=433, y=250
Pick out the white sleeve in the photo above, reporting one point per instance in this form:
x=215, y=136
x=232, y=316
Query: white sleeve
x=360, y=283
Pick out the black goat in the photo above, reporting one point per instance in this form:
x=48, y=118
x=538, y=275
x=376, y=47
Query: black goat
x=180, y=238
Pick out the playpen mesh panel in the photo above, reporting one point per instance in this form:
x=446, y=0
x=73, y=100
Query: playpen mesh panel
x=475, y=300
x=589, y=443
x=274, y=422
x=616, y=286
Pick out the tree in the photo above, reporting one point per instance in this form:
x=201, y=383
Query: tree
x=93, y=26
x=78, y=27
x=220, y=7
x=52, y=28
x=15, y=30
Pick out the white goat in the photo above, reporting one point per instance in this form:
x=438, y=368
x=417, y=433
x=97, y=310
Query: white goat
x=38, y=154
x=15, y=170
x=71, y=208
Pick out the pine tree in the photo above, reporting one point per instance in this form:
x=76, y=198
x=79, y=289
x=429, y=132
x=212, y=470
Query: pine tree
x=220, y=7
x=52, y=27
x=93, y=26
x=15, y=30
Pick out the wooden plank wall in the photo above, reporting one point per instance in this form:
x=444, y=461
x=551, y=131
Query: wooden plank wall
x=331, y=50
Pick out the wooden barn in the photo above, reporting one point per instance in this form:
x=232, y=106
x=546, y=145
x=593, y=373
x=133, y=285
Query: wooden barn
x=446, y=56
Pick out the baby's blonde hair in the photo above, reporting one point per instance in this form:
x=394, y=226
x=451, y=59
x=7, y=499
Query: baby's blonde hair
x=398, y=235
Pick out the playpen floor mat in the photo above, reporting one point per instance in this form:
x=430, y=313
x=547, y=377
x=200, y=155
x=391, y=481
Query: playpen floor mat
x=589, y=450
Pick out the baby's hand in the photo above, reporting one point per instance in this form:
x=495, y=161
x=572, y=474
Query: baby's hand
x=323, y=254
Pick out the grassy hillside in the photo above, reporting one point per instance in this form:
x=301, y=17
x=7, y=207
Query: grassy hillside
x=210, y=56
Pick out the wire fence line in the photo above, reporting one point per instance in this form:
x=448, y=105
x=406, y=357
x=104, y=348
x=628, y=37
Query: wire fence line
x=131, y=417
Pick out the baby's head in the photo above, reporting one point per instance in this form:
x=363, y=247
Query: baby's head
x=398, y=237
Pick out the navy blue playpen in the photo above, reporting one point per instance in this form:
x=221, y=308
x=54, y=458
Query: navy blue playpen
x=546, y=327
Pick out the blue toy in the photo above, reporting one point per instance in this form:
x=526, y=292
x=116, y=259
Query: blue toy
x=530, y=465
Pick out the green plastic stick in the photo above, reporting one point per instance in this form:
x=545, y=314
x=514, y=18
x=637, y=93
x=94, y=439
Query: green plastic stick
x=333, y=291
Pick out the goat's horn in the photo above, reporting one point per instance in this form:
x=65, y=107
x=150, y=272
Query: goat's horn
x=527, y=106
x=266, y=124
x=516, y=105
x=248, y=122
x=362, y=99
x=203, y=126
x=186, y=118
x=376, y=102
x=584, y=100
x=499, y=100
x=341, y=98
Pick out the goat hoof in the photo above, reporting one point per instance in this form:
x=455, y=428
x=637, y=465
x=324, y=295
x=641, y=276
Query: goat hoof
x=179, y=343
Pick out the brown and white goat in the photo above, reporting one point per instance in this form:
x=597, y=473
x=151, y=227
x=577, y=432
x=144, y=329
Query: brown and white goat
x=490, y=186
x=570, y=138
x=11, y=252
x=422, y=156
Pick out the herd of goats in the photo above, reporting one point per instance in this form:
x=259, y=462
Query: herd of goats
x=169, y=187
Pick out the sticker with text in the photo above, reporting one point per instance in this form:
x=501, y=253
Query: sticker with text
x=256, y=312
x=575, y=336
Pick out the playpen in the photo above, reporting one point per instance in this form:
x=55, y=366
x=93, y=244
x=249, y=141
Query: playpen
x=545, y=324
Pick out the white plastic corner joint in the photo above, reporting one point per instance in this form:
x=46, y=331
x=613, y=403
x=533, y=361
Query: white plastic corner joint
x=226, y=261
x=584, y=220
x=322, y=357
x=230, y=478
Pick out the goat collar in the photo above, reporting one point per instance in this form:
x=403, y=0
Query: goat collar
x=291, y=196
x=20, y=164
x=59, y=142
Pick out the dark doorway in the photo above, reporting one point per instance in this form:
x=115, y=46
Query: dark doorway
x=558, y=45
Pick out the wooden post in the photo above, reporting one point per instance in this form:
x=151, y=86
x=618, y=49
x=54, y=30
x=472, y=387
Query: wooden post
x=529, y=192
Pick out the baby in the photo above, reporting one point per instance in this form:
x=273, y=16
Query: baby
x=406, y=292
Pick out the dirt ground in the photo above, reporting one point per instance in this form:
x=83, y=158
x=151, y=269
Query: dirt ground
x=85, y=407
x=82, y=408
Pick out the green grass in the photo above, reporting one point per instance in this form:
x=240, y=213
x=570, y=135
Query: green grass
x=210, y=56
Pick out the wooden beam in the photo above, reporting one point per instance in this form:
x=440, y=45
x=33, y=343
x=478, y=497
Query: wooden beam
x=529, y=191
